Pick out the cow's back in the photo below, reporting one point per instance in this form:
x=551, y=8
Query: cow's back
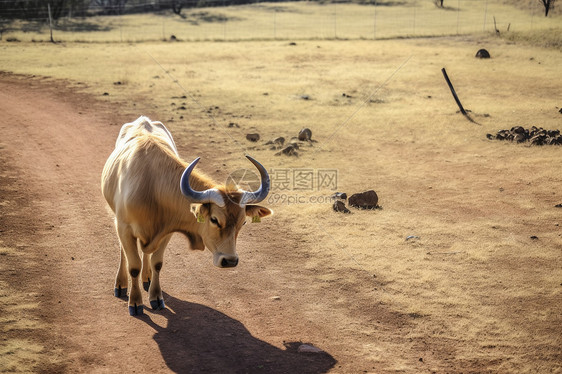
x=142, y=151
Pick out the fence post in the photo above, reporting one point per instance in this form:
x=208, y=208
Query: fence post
x=458, y=15
x=485, y=15
x=375, y=22
x=50, y=21
x=335, y=20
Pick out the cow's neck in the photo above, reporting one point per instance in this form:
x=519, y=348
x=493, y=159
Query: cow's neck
x=176, y=207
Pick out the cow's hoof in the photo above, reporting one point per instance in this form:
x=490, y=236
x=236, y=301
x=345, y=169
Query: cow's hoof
x=146, y=285
x=157, y=304
x=120, y=292
x=136, y=310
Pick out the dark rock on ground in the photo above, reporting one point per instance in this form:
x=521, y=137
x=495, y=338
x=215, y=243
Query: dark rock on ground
x=364, y=200
x=482, y=53
x=339, y=206
x=253, y=137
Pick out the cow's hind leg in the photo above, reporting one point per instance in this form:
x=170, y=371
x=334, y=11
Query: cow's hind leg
x=156, y=261
x=146, y=271
x=121, y=280
x=129, y=243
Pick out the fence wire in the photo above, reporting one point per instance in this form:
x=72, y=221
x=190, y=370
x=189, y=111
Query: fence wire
x=291, y=20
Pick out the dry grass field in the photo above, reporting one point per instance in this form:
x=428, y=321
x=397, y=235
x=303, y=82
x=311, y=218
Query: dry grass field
x=479, y=288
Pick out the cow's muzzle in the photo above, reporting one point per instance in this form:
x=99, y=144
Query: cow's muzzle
x=229, y=263
x=225, y=261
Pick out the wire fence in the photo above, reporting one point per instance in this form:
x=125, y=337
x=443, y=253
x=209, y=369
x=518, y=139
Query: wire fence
x=291, y=20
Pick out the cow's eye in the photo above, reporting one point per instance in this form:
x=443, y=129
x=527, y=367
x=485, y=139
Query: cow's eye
x=214, y=221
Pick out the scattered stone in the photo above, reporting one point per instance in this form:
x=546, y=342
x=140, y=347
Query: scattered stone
x=534, y=237
x=305, y=97
x=534, y=135
x=105, y=94
x=292, y=43
x=346, y=95
x=305, y=135
x=482, y=53
x=118, y=83
x=253, y=137
x=290, y=150
x=276, y=143
x=339, y=206
x=232, y=124
x=308, y=348
x=411, y=237
x=275, y=298
x=173, y=38
x=364, y=200
x=340, y=195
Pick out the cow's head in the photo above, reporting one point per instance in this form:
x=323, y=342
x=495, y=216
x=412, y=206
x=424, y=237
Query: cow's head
x=222, y=211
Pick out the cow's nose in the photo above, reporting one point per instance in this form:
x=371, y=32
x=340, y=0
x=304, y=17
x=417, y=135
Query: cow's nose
x=229, y=263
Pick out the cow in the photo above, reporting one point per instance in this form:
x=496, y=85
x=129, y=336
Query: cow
x=154, y=193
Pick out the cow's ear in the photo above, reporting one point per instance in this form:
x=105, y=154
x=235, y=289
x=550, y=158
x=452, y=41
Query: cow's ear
x=195, y=208
x=258, y=211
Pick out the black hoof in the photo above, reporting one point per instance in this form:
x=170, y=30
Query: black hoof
x=146, y=285
x=120, y=292
x=157, y=304
x=136, y=310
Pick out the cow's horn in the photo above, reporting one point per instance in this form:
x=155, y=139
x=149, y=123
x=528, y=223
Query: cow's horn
x=251, y=197
x=211, y=195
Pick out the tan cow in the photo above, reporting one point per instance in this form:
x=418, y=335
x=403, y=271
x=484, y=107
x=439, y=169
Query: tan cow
x=153, y=194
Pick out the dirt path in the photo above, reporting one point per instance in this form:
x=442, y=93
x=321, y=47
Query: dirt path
x=59, y=256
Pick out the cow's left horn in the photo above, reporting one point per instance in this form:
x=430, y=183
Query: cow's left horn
x=251, y=197
x=211, y=195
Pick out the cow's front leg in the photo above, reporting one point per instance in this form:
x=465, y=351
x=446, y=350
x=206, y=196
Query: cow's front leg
x=121, y=280
x=146, y=271
x=156, y=261
x=129, y=243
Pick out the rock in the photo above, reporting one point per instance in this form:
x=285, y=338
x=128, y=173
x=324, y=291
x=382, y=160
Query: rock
x=482, y=53
x=232, y=125
x=534, y=135
x=253, y=137
x=308, y=348
x=339, y=206
x=289, y=151
x=275, y=298
x=558, y=206
x=340, y=195
x=364, y=200
x=411, y=237
x=277, y=141
x=305, y=135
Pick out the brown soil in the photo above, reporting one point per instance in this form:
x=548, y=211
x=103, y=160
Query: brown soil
x=61, y=253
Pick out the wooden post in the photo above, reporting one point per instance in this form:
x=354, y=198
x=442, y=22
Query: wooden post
x=464, y=113
x=50, y=21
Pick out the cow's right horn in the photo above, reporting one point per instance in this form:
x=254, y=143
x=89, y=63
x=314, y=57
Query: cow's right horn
x=252, y=197
x=211, y=195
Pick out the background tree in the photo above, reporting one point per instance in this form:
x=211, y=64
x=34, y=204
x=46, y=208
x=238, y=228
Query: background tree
x=548, y=4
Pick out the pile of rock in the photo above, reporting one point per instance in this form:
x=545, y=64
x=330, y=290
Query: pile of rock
x=534, y=135
x=363, y=200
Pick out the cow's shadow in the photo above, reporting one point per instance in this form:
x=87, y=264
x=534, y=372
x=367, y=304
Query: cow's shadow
x=200, y=339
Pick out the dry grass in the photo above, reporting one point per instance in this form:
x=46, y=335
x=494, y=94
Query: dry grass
x=474, y=276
